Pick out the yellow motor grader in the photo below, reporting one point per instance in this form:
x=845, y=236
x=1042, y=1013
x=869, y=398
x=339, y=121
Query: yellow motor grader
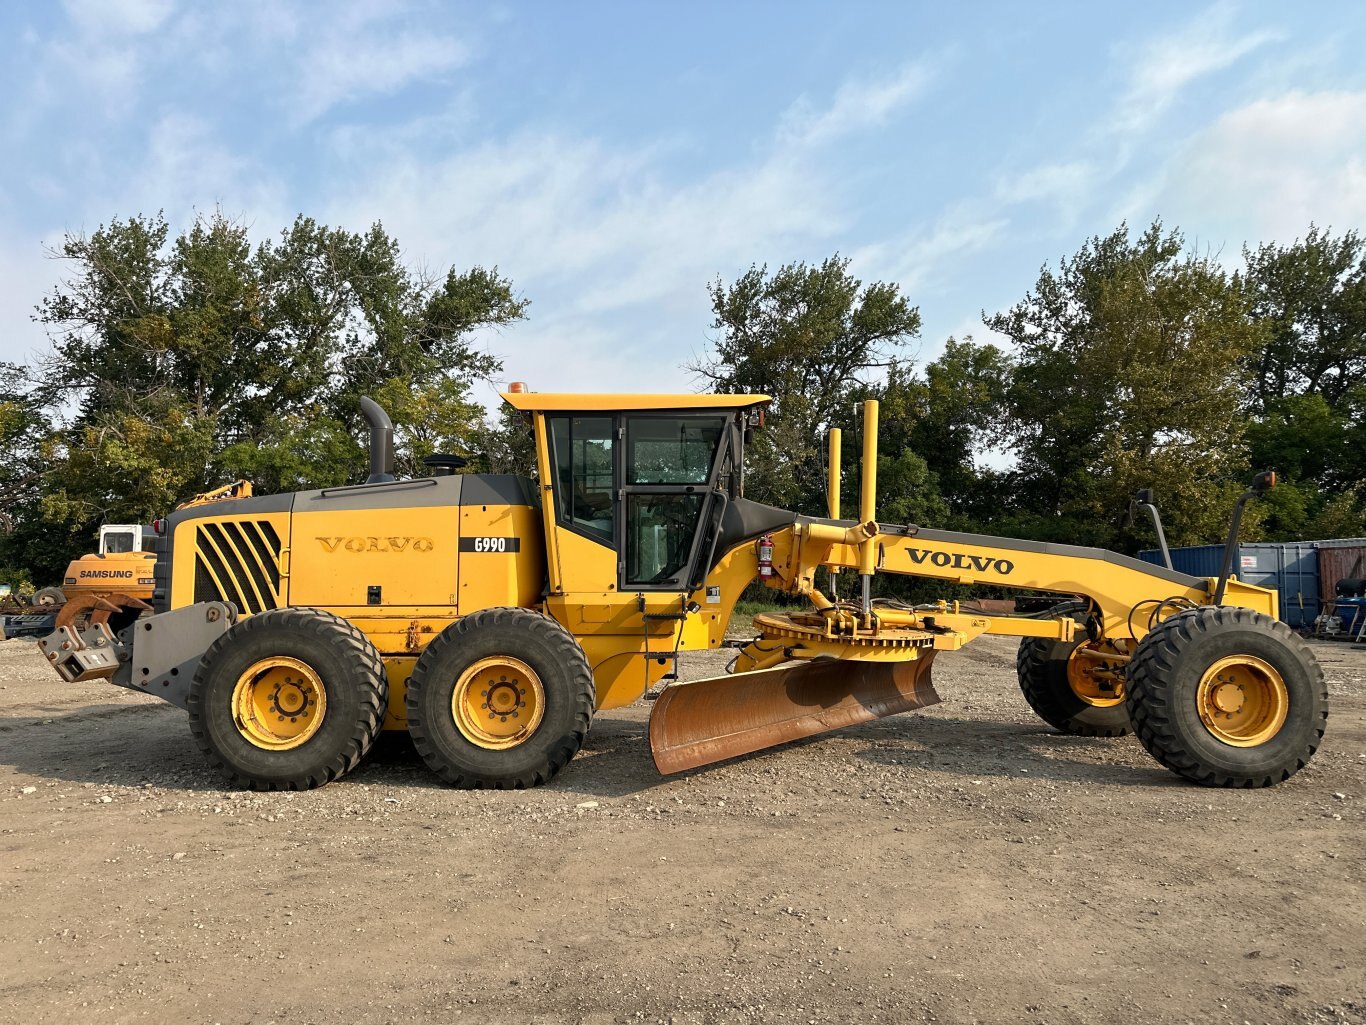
x=491, y=615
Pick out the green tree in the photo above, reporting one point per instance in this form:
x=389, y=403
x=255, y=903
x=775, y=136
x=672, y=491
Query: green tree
x=507, y=445
x=1308, y=400
x=808, y=335
x=1343, y=515
x=1128, y=374
x=24, y=431
x=948, y=415
x=181, y=363
x=1311, y=298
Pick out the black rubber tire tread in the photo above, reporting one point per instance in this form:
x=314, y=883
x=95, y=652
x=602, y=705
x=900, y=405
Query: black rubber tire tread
x=1163, y=680
x=1041, y=667
x=357, y=698
x=56, y=594
x=566, y=676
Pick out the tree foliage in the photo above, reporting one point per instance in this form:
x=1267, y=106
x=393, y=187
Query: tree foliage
x=1307, y=406
x=1311, y=298
x=1128, y=373
x=179, y=363
x=950, y=414
x=809, y=336
x=182, y=362
x=1132, y=363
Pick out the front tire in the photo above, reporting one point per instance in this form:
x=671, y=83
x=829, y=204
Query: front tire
x=1227, y=697
x=502, y=698
x=289, y=699
x=1064, y=691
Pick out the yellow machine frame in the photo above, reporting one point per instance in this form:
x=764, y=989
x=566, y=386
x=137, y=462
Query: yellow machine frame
x=615, y=630
x=443, y=588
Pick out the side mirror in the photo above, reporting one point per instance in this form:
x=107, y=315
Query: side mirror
x=1144, y=496
x=1264, y=481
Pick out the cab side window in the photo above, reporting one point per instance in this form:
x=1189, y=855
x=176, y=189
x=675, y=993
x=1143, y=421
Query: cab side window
x=584, y=473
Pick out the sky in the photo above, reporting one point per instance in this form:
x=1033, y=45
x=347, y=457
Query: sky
x=612, y=159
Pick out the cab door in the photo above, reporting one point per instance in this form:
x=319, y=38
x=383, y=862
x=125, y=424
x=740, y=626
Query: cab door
x=629, y=494
x=669, y=463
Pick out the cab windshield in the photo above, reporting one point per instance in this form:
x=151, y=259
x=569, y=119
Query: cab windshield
x=118, y=541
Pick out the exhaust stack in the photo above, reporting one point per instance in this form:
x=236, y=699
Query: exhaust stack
x=381, y=441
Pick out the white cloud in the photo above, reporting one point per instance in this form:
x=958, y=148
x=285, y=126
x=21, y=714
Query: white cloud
x=1167, y=65
x=916, y=260
x=857, y=106
x=1103, y=160
x=565, y=209
x=118, y=17
x=595, y=236
x=186, y=167
x=98, y=61
x=615, y=254
x=1051, y=182
x=356, y=54
x=1266, y=170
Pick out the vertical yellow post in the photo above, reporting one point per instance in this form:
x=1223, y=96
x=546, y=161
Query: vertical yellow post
x=868, y=493
x=544, y=471
x=832, y=491
x=832, y=482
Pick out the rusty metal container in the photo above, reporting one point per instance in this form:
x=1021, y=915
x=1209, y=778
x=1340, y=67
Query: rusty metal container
x=1338, y=560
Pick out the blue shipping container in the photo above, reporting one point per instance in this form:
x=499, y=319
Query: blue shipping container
x=1290, y=568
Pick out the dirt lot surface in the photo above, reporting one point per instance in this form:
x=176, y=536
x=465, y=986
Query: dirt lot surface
x=958, y=865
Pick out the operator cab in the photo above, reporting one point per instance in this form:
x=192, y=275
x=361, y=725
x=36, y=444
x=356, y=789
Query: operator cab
x=122, y=538
x=646, y=485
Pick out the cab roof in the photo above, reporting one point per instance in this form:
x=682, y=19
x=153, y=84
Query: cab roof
x=576, y=402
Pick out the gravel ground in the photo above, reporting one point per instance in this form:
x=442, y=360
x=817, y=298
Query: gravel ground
x=961, y=864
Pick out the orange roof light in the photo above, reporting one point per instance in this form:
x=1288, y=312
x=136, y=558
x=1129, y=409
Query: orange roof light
x=517, y=388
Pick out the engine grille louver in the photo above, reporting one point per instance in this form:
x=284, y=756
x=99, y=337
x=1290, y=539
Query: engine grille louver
x=238, y=561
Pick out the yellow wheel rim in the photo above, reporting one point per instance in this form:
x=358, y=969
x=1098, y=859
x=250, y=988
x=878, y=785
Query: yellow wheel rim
x=498, y=702
x=1243, y=701
x=1087, y=683
x=279, y=703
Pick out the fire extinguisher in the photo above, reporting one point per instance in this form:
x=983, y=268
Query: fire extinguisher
x=766, y=555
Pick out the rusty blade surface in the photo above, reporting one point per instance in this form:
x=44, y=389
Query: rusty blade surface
x=711, y=720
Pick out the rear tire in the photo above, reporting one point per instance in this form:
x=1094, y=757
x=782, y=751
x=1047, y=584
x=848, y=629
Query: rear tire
x=1042, y=668
x=1227, y=697
x=502, y=698
x=289, y=699
x=49, y=597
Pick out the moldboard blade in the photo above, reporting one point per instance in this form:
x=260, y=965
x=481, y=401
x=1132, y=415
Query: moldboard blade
x=711, y=720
